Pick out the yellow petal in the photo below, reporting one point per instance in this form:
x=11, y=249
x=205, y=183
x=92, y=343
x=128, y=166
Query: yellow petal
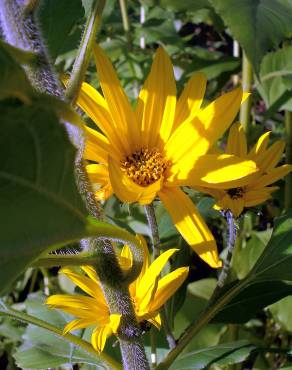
x=236, y=143
x=167, y=286
x=121, y=111
x=255, y=197
x=274, y=175
x=157, y=100
x=260, y=146
x=126, y=258
x=148, y=284
x=80, y=306
x=78, y=324
x=98, y=175
x=90, y=271
x=190, y=99
x=95, y=106
x=88, y=285
x=221, y=171
x=99, y=144
x=156, y=321
x=196, y=137
x=99, y=337
x=270, y=157
x=126, y=190
x=190, y=224
x=115, y=320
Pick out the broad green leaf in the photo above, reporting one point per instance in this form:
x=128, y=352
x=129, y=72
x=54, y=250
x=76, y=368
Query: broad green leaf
x=258, y=25
x=57, y=21
x=13, y=82
x=202, y=288
x=282, y=313
x=275, y=74
x=39, y=201
x=276, y=260
x=190, y=5
x=251, y=300
x=221, y=355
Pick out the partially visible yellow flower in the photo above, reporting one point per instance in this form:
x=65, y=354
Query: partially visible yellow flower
x=148, y=294
x=161, y=145
x=90, y=311
x=257, y=190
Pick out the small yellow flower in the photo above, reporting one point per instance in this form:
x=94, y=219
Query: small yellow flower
x=148, y=293
x=161, y=145
x=256, y=191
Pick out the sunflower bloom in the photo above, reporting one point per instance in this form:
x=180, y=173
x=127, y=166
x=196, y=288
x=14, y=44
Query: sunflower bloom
x=257, y=190
x=92, y=310
x=161, y=145
x=148, y=294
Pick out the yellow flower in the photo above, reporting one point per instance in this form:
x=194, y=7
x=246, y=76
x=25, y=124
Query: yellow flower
x=148, y=294
x=161, y=145
x=256, y=191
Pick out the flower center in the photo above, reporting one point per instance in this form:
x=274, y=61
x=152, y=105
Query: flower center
x=235, y=193
x=145, y=166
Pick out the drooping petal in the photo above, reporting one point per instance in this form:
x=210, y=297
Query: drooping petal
x=274, y=175
x=96, y=107
x=270, y=157
x=98, y=175
x=96, y=147
x=234, y=205
x=157, y=100
x=196, y=137
x=90, y=271
x=167, y=286
x=148, y=284
x=78, y=324
x=88, y=285
x=236, y=143
x=255, y=197
x=119, y=106
x=77, y=305
x=190, y=224
x=126, y=190
x=156, y=321
x=190, y=99
x=221, y=171
x=99, y=337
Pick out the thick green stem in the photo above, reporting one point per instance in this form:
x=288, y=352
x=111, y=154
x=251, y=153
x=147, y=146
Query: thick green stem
x=246, y=86
x=288, y=179
x=73, y=339
x=61, y=260
x=205, y=317
x=151, y=218
x=20, y=30
x=84, y=52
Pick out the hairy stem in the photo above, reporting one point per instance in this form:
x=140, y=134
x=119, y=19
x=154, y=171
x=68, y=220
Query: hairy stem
x=84, y=52
x=151, y=218
x=246, y=86
x=20, y=29
x=230, y=248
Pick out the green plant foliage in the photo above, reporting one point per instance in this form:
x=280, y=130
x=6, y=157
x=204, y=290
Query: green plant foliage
x=276, y=77
x=282, y=313
x=221, y=355
x=258, y=25
x=58, y=22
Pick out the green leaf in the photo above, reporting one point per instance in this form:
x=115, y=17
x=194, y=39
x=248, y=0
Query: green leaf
x=13, y=82
x=251, y=300
x=190, y=5
x=282, y=313
x=258, y=25
x=275, y=74
x=221, y=355
x=39, y=201
x=276, y=260
x=57, y=21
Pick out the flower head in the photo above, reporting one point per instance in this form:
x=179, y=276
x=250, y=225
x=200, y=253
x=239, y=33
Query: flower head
x=161, y=145
x=148, y=293
x=257, y=190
